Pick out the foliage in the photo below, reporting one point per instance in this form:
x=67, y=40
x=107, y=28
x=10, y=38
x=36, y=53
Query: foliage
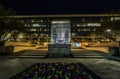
x=9, y=26
x=113, y=26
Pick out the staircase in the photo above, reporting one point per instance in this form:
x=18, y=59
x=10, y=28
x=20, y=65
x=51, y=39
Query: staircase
x=89, y=54
x=40, y=54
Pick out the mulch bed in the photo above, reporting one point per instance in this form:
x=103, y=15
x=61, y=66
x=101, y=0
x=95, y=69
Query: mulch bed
x=56, y=71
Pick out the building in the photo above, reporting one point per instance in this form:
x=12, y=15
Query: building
x=83, y=26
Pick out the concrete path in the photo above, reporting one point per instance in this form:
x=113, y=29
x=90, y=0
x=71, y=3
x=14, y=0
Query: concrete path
x=105, y=68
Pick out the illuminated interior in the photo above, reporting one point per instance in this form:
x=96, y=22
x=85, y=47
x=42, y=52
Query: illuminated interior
x=60, y=32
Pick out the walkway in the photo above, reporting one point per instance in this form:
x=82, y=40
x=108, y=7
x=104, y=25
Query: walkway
x=40, y=53
x=107, y=69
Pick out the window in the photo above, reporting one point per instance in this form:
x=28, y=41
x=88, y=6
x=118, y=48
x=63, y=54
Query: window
x=86, y=29
x=33, y=29
x=38, y=25
x=35, y=25
x=115, y=18
x=32, y=21
x=93, y=24
x=89, y=24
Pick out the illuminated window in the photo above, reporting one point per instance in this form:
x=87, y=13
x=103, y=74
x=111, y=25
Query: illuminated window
x=93, y=24
x=73, y=34
x=38, y=25
x=41, y=20
x=101, y=20
x=32, y=29
x=22, y=20
x=28, y=25
x=32, y=21
x=73, y=24
x=83, y=19
x=78, y=29
x=45, y=30
x=25, y=25
x=115, y=18
x=94, y=29
x=86, y=29
x=40, y=29
x=35, y=25
x=78, y=25
x=89, y=24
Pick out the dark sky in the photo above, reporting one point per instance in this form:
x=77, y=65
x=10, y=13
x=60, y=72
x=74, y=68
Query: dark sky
x=61, y=6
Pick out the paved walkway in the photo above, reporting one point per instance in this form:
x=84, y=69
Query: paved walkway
x=40, y=53
x=105, y=68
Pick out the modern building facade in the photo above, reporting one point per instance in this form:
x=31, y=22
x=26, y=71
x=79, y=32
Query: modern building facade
x=83, y=26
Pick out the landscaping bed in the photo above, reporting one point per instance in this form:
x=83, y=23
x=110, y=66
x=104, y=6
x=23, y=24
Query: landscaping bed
x=56, y=71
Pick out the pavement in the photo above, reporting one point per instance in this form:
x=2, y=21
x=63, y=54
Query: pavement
x=98, y=62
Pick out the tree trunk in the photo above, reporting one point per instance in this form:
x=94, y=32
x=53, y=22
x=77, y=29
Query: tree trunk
x=119, y=43
x=2, y=43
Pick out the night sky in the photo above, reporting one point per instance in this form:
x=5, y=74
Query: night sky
x=23, y=7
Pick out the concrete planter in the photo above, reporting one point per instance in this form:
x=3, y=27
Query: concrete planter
x=2, y=46
x=114, y=51
x=9, y=49
x=2, y=43
x=2, y=49
x=59, y=50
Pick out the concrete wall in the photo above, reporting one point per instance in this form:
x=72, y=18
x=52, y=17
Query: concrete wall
x=103, y=44
x=18, y=49
x=101, y=49
x=20, y=46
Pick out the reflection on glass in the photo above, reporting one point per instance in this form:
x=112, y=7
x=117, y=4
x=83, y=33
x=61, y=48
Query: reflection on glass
x=60, y=32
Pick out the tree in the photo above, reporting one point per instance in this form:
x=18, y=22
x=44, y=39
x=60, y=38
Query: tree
x=111, y=29
x=9, y=26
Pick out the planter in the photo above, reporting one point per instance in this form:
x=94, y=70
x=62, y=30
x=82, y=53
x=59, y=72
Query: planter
x=2, y=49
x=114, y=51
x=9, y=49
x=2, y=43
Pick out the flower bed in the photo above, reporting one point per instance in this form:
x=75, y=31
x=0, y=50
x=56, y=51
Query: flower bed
x=56, y=71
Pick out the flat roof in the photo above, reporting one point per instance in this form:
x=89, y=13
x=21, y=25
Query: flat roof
x=65, y=15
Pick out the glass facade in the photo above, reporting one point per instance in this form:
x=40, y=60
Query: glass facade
x=79, y=27
x=60, y=32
